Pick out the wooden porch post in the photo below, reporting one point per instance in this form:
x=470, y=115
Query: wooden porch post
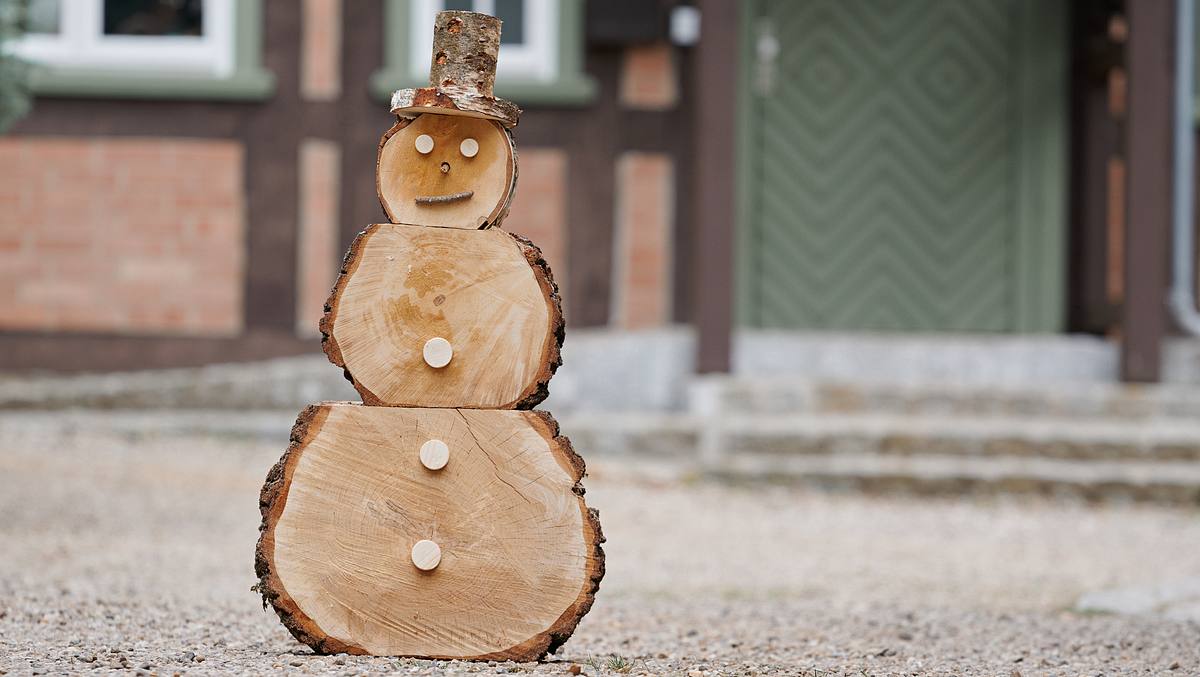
x=1151, y=70
x=716, y=69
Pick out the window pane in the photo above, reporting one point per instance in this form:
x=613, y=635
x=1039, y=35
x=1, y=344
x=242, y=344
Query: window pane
x=460, y=5
x=512, y=13
x=42, y=16
x=153, y=17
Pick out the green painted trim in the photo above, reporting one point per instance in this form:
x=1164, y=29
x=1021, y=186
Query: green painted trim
x=395, y=51
x=249, y=81
x=570, y=56
x=126, y=85
x=1040, y=167
x=573, y=87
x=745, y=309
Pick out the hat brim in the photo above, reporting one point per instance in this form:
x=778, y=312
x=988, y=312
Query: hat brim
x=453, y=100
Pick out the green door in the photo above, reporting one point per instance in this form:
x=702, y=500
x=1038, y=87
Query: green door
x=901, y=165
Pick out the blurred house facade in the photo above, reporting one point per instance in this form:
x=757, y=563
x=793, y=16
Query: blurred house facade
x=192, y=170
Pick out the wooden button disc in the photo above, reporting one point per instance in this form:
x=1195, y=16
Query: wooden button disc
x=435, y=454
x=426, y=555
x=437, y=352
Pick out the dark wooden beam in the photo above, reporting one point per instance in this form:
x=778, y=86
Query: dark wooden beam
x=716, y=65
x=1150, y=59
x=1097, y=115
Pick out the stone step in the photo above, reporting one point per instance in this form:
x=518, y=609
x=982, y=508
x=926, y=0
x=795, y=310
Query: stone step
x=646, y=435
x=284, y=383
x=899, y=435
x=685, y=437
x=1113, y=460
x=1175, y=483
x=1091, y=460
x=885, y=435
x=739, y=395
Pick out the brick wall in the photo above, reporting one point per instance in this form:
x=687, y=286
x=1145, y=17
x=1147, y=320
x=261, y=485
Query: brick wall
x=539, y=210
x=643, y=258
x=127, y=244
x=128, y=236
x=649, y=78
x=318, y=255
x=321, y=50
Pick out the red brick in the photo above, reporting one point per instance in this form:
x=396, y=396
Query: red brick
x=321, y=50
x=10, y=242
x=94, y=234
x=318, y=248
x=649, y=78
x=643, y=247
x=539, y=210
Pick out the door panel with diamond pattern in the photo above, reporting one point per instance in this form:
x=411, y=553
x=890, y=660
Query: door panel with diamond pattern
x=884, y=143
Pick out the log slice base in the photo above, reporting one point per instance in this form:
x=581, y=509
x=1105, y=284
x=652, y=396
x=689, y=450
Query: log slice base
x=520, y=551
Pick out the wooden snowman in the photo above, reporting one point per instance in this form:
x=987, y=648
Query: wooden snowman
x=439, y=518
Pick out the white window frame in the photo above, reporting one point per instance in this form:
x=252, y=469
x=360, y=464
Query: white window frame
x=535, y=59
x=81, y=44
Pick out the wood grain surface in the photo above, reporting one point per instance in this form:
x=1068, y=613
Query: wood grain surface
x=422, y=189
x=488, y=292
x=520, y=551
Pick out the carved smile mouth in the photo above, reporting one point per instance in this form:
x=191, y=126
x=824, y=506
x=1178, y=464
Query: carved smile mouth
x=443, y=199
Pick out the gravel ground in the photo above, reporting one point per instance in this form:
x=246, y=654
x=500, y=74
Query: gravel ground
x=135, y=553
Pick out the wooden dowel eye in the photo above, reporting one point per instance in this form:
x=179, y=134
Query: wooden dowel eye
x=469, y=147
x=435, y=454
x=426, y=555
x=437, y=352
x=424, y=144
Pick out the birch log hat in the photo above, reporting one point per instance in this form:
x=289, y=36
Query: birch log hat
x=462, y=72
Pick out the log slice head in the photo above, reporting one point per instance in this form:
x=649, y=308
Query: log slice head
x=488, y=293
x=520, y=552
x=442, y=170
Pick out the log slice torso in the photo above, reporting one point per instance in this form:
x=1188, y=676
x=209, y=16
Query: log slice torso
x=488, y=292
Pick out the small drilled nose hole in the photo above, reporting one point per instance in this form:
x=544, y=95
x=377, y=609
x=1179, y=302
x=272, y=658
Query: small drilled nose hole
x=445, y=167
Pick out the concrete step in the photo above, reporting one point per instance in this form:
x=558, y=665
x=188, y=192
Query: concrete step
x=887, y=435
x=740, y=395
x=1091, y=460
x=898, y=435
x=284, y=383
x=1170, y=483
x=1113, y=460
x=775, y=372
